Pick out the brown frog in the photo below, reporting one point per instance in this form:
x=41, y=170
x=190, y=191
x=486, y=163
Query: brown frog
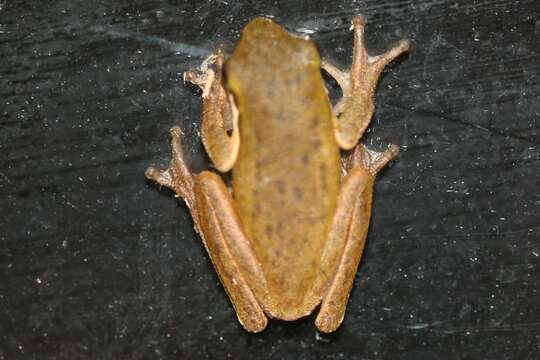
x=289, y=233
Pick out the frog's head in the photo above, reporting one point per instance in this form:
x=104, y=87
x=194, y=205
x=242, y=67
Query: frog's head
x=265, y=42
x=268, y=57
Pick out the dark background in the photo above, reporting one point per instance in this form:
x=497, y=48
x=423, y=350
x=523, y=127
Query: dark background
x=98, y=263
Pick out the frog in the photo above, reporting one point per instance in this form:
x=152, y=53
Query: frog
x=284, y=215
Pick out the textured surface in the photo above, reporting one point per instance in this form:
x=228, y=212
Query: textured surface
x=97, y=263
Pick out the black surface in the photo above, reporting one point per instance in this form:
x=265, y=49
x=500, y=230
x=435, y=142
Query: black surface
x=98, y=263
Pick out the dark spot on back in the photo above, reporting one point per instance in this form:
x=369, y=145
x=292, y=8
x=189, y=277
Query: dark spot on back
x=305, y=159
x=269, y=92
x=269, y=230
x=279, y=227
x=298, y=193
x=281, y=187
x=314, y=123
x=323, y=177
x=258, y=174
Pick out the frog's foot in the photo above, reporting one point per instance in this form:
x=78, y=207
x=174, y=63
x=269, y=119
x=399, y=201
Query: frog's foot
x=372, y=161
x=177, y=176
x=219, y=130
x=205, y=75
x=354, y=110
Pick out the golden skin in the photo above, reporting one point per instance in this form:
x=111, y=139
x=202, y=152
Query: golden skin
x=291, y=235
x=288, y=213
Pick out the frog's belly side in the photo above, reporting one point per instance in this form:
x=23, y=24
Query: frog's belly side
x=286, y=195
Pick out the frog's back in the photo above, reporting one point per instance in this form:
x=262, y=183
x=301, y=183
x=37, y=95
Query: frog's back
x=286, y=178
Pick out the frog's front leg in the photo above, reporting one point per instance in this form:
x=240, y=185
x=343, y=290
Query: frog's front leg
x=347, y=237
x=216, y=221
x=219, y=129
x=353, y=112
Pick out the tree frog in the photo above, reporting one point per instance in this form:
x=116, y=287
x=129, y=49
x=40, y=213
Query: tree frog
x=286, y=234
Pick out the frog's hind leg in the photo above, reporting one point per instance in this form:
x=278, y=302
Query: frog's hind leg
x=353, y=112
x=230, y=251
x=219, y=130
x=347, y=237
x=217, y=222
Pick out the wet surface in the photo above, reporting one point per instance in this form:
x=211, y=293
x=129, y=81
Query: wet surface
x=96, y=262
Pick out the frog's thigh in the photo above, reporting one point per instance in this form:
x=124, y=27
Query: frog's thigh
x=230, y=250
x=345, y=246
